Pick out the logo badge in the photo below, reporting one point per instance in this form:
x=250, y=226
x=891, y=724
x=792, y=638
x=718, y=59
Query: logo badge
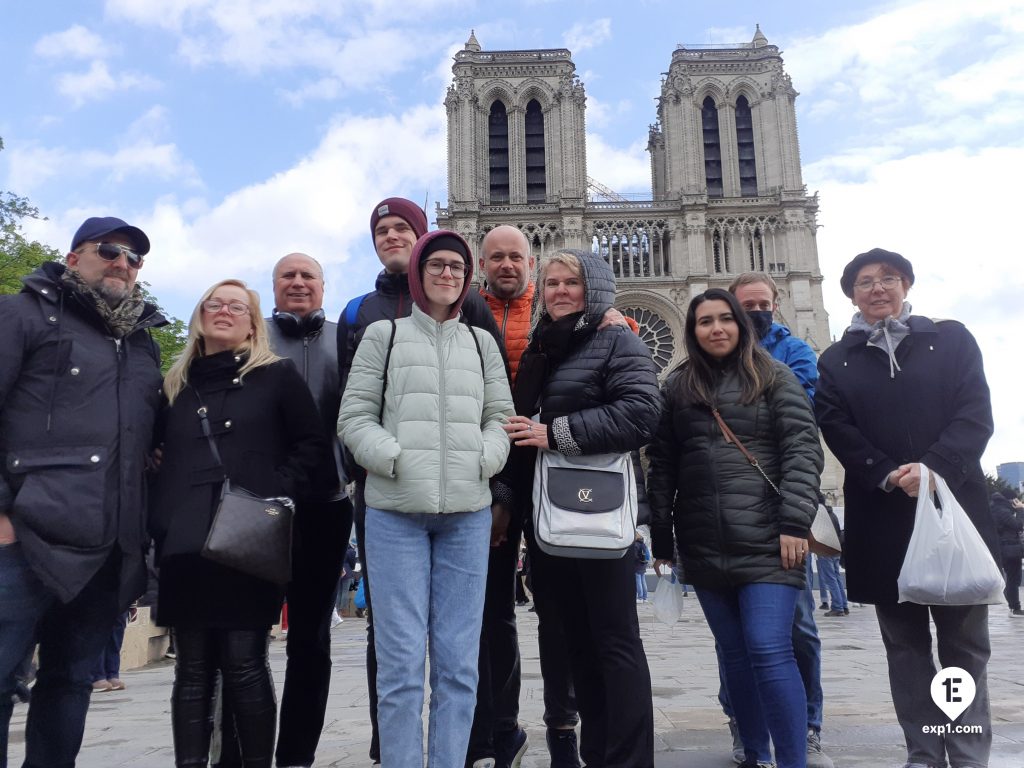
x=584, y=495
x=953, y=690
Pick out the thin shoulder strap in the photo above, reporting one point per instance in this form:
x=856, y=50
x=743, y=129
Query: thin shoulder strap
x=387, y=364
x=730, y=437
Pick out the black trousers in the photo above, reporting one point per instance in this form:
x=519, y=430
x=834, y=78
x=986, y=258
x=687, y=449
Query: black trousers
x=497, y=694
x=597, y=602
x=359, y=513
x=555, y=670
x=240, y=655
x=319, y=540
x=1011, y=567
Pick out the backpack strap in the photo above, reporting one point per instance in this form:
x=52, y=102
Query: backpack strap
x=387, y=364
x=352, y=309
x=479, y=352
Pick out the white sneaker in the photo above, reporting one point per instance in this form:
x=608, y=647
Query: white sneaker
x=335, y=619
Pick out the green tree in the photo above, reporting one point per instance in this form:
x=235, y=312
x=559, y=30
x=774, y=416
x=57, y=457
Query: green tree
x=171, y=337
x=1000, y=485
x=18, y=256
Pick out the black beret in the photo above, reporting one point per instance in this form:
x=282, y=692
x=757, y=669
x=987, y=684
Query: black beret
x=874, y=256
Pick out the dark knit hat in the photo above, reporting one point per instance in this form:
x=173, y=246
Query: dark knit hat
x=874, y=256
x=438, y=240
x=94, y=228
x=405, y=209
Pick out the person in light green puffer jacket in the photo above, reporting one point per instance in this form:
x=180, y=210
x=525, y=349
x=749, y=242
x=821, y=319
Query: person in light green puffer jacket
x=423, y=412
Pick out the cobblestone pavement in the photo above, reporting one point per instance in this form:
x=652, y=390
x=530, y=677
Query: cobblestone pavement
x=132, y=727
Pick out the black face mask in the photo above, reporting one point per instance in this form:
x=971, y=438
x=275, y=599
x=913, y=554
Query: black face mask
x=762, y=320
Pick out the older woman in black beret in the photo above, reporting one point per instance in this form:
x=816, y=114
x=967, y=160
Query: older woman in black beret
x=897, y=391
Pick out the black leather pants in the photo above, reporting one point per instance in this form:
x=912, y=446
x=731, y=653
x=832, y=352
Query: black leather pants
x=241, y=657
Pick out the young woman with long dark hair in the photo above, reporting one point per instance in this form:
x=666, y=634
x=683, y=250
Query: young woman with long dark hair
x=741, y=534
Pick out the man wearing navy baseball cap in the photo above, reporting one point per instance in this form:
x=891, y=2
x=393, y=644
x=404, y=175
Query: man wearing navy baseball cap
x=79, y=392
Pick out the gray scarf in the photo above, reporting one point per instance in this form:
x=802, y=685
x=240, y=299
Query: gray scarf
x=120, y=319
x=885, y=334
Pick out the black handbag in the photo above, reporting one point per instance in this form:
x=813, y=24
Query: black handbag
x=249, y=533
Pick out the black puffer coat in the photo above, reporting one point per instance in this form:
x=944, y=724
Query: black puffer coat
x=1009, y=523
x=727, y=518
x=270, y=438
x=602, y=398
x=76, y=425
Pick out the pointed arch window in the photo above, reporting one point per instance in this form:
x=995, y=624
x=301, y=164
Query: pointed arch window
x=720, y=251
x=497, y=150
x=745, y=148
x=712, y=147
x=757, y=250
x=536, y=175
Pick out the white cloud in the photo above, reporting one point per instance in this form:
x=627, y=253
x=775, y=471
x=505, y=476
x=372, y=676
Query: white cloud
x=584, y=35
x=98, y=83
x=622, y=170
x=75, y=42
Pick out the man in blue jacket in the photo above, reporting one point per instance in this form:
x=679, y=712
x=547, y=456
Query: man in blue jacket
x=759, y=296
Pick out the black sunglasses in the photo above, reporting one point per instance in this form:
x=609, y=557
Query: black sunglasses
x=111, y=252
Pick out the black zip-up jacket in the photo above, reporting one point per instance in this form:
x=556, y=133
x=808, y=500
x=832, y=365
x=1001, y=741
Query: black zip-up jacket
x=77, y=409
x=315, y=354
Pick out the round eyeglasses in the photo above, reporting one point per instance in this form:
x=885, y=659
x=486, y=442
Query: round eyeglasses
x=236, y=308
x=436, y=267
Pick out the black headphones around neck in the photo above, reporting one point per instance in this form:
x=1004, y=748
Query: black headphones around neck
x=296, y=326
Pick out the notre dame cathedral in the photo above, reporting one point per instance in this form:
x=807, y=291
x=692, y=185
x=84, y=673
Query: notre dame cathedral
x=726, y=196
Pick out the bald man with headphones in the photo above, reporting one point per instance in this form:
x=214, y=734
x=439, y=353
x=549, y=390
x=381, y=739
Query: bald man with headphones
x=299, y=330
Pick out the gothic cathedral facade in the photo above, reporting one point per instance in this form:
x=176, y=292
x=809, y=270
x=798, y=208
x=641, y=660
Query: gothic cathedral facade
x=727, y=195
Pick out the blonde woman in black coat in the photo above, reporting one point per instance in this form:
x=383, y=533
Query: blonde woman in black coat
x=271, y=442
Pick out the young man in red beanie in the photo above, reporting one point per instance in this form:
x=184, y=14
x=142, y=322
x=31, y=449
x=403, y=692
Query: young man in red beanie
x=395, y=225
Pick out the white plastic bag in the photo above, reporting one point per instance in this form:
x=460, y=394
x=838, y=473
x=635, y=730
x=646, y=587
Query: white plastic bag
x=668, y=600
x=947, y=562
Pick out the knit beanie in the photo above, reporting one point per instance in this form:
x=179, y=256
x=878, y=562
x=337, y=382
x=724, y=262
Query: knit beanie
x=438, y=240
x=405, y=209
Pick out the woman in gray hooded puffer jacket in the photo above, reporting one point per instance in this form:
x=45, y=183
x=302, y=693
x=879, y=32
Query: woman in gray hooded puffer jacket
x=596, y=392
x=423, y=412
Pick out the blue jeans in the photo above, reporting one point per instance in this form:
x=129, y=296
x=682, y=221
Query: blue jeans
x=108, y=664
x=753, y=626
x=641, y=586
x=806, y=648
x=828, y=574
x=70, y=636
x=429, y=577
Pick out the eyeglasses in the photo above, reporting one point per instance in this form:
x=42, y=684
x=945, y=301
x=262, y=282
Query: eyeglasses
x=868, y=284
x=436, y=268
x=112, y=251
x=236, y=308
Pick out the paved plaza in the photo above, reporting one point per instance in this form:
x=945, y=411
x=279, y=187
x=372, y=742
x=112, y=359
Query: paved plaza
x=132, y=727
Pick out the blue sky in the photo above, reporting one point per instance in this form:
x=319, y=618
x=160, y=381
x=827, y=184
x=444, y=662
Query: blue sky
x=235, y=131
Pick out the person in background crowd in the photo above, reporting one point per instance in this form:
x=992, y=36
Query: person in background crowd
x=1010, y=523
x=270, y=439
x=106, y=673
x=641, y=558
x=828, y=572
x=79, y=393
x=395, y=225
x=596, y=392
x=742, y=536
x=897, y=391
x=423, y=412
x=758, y=294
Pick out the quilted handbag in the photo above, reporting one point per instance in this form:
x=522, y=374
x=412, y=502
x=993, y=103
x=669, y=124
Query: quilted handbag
x=249, y=533
x=584, y=506
x=252, y=534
